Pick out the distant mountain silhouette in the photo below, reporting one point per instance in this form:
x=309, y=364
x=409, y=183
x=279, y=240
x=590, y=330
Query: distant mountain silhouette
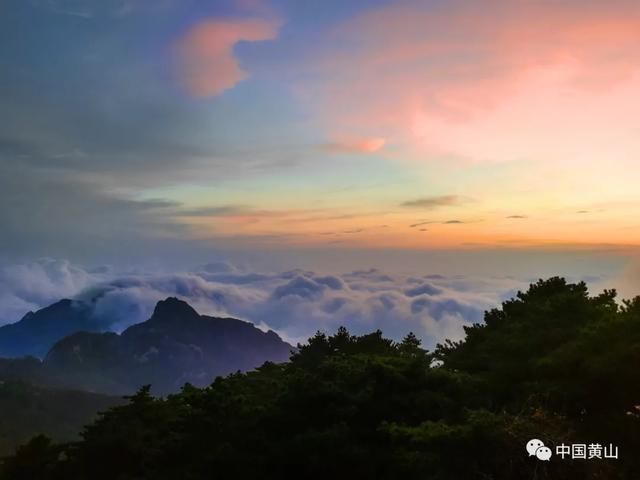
x=36, y=332
x=175, y=346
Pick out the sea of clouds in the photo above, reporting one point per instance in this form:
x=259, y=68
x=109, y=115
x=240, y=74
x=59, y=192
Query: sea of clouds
x=294, y=303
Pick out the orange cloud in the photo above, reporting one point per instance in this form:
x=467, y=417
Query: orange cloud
x=355, y=145
x=207, y=65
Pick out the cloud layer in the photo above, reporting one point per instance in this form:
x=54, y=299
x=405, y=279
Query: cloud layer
x=294, y=303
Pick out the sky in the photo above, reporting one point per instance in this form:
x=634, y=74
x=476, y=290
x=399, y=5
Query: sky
x=446, y=137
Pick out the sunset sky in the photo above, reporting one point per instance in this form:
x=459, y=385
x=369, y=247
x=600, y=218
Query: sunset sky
x=399, y=165
x=255, y=124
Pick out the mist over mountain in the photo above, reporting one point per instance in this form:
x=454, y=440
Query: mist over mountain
x=293, y=303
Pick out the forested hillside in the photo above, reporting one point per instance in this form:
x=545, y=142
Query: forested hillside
x=27, y=410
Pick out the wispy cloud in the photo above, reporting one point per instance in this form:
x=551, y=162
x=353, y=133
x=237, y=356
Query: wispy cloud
x=94, y=9
x=419, y=224
x=220, y=211
x=441, y=222
x=355, y=145
x=436, y=201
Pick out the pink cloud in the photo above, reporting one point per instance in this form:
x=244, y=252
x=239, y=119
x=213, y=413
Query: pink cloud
x=207, y=64
x=355, y=145
x=468, y=78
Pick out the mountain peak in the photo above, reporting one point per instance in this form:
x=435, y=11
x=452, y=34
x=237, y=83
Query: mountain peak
x=176, y=345
x=173, y=309
x=37, y=331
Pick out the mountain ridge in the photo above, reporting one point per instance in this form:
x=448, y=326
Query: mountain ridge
x=35, y=333
x=176, y=345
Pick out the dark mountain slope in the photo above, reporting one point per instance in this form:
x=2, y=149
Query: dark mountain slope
x=36, y=332
x=175, y=346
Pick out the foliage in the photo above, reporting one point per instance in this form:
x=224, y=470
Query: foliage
x=27, y=410
x=553, y=363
